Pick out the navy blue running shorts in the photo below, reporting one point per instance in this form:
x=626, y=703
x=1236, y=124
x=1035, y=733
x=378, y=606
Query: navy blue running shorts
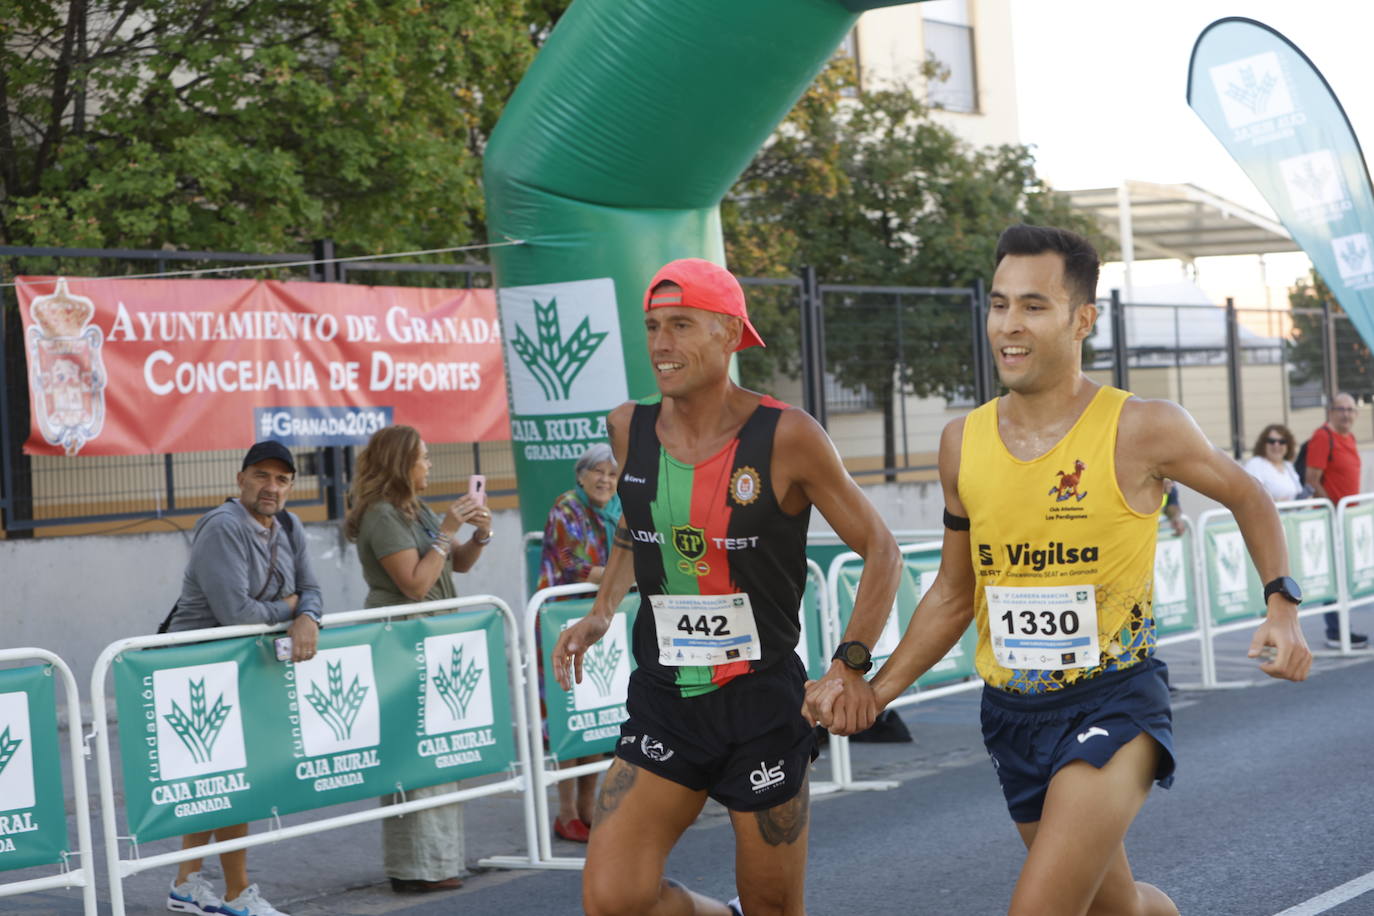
x=1029, y=737
x=746, y=743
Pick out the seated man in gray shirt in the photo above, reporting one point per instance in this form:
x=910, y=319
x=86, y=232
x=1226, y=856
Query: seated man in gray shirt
x=248, y=565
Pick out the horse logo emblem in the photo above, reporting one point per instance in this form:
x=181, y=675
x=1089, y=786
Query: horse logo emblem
x=1067, y=488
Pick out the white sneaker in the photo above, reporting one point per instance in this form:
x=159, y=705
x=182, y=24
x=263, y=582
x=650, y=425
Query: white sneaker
x=733, y=904
x=249, y=903
x=193, y=896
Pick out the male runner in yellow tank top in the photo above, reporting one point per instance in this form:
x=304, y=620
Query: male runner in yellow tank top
x=1052, y=495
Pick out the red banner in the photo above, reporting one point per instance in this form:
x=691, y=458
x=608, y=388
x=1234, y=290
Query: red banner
x=121, y=367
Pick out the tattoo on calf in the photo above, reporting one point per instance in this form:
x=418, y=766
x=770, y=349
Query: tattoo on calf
x=619, y=779
x=785, y=823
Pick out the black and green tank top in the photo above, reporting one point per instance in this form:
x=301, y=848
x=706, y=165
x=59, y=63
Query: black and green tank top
x=714, y=528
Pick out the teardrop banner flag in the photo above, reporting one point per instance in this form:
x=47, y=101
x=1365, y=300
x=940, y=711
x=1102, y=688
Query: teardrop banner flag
x=1279, y=119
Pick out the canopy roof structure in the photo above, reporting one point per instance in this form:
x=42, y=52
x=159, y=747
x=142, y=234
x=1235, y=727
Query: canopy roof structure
x=1179, y=221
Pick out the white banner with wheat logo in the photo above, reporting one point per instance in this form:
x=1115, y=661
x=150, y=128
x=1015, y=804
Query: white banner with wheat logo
x=33, y=822
x=586, y=720
x=1358, y=522
x=1311, y=553
x=221, y=732
x=1233, y=585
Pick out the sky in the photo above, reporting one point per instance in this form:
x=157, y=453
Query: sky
x=1102, y=97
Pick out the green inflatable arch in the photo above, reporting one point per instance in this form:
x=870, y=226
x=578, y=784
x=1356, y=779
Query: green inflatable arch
x=610, y=160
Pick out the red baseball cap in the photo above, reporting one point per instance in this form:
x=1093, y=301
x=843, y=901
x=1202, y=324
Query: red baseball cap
x=704, y=286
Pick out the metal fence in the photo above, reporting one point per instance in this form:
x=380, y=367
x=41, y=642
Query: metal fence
x=1235, y=370
x=884, y=368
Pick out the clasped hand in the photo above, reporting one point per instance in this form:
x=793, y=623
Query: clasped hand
x=842, y=702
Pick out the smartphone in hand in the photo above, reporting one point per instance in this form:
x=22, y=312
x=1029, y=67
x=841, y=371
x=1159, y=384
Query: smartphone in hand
x=477, y=489
x=282, y=644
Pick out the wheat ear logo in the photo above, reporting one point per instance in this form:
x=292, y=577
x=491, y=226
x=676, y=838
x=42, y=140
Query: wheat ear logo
x=200, y=730
x=1228, y=555
x=1253, y=92
x=339, y=708
x=600, y=663
x=1354, y=253
x=1170, y=565
x=456, y=685
x=554, y=362
x=1313, y=548
x=8, y=747
x=1312, y=181
x=1364, y=545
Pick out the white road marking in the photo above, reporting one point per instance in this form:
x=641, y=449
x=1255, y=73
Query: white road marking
x=1332, y=898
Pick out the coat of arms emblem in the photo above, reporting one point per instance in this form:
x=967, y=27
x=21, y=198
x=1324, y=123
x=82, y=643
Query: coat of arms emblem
x=67, y=374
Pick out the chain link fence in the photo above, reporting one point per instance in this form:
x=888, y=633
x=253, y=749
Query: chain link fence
x=884, y=368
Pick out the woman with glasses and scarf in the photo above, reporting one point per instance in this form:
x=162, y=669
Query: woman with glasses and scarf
x=1271, y=463
x=409, y=554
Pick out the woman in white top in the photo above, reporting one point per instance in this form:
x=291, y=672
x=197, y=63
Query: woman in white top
x=1272, y=463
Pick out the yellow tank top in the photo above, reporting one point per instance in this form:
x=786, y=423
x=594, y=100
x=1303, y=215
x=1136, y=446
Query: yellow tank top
x=1054, y=522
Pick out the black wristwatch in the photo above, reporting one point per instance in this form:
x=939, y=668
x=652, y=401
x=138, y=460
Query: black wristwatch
x=1286, y=586
x=855, y=655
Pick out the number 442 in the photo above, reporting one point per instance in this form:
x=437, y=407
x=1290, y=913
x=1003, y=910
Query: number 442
x=703, y=625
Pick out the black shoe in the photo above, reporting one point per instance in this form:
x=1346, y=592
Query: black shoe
x=1357, y=641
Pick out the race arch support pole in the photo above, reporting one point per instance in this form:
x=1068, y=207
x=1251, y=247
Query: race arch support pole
x=610, y=160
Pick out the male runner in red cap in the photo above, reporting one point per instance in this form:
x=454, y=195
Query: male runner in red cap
x=717, y=485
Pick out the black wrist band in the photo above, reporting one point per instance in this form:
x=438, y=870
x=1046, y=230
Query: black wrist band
x=955, y=522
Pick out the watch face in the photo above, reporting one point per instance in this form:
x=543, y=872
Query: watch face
x=856, y=655
x=1290, y=587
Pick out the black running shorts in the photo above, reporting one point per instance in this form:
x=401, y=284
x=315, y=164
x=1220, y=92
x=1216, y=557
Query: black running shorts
x=1030, y=737
x=746, y=744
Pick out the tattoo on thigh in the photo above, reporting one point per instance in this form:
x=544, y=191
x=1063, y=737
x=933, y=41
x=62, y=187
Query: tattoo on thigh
x=785, y=823
x=619, y=779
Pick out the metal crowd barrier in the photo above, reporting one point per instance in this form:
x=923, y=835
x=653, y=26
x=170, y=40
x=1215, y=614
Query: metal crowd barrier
x=188, y=776
x=953, y=674
x=600, y=705
x=603, y=712
x=1355, y=550
x=1201, y=592
x=34, y=829
x=1330, y=553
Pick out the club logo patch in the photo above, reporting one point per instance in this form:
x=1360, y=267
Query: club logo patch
x=689, y=542
x=744, y=485
x=1067, y=487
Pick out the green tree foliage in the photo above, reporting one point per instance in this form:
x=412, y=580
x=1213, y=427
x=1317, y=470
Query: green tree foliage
x=873, y=190
x=1354, y=365
x=246, y=125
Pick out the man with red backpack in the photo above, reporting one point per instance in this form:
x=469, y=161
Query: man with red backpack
x=1333, y=472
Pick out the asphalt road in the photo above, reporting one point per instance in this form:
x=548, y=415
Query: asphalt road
x=1269, y=810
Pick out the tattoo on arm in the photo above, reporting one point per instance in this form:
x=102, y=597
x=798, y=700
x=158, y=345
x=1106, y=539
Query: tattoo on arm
x=785, y=823
x=619, y=780
x=622, y=536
